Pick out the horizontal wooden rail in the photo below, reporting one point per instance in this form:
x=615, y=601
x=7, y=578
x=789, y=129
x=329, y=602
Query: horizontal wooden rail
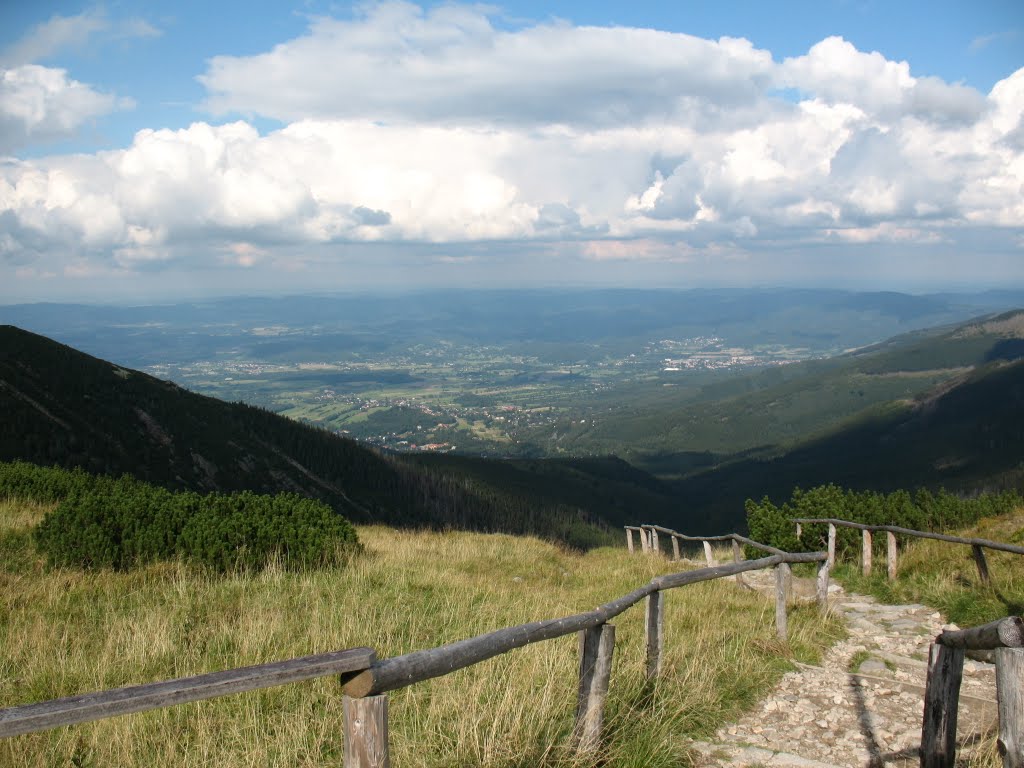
x=400, y=671
x=141, y=698
x=683, y=536
x=998, y=545
x=724, y=537
x=1004, y=633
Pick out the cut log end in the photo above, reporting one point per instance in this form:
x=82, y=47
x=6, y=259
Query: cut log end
x=358, y=685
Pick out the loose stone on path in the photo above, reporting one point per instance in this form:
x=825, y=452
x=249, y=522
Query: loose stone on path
x=831, y=715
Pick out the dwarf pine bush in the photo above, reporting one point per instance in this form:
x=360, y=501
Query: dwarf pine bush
x=119, y=523
x=923, y=511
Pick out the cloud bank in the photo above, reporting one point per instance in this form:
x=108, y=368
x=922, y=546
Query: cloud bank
x=40, y=103
x=404, y=126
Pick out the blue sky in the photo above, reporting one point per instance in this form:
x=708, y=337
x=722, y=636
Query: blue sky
x=156, y=151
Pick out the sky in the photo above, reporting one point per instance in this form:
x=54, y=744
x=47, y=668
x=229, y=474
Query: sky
x=155, y=151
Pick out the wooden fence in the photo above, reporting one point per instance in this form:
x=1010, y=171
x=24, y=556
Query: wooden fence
x=978, y=545
x=945, y=668
x=650, y=543
x=945, y=671
x=366, y=680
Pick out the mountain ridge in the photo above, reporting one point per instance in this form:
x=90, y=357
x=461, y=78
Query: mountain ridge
x=67, y=408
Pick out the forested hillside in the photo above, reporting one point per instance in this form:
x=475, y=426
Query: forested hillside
x=66, y=408
x=966, y=437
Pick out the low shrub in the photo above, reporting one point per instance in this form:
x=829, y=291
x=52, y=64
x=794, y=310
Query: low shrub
x=104, y=522
x=922, y=511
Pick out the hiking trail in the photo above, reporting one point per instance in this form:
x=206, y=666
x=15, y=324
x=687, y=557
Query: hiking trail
x=862, y=706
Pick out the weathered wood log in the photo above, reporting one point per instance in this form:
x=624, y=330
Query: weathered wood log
x=655, y=547
x=709, y=555
x=737, y=556
x=644, y=543
x=891, y=555
x=756, y=544
x=1010, y=698
x=1002, y=633
x=366, y=732
x=597, y=645
x=654, y=632
x=865, y=553
x=140, y=698
x=799, y=532
x=782, y=581
x=629, y=539
x=733, y=537
x=675, y=548
x=979, y=560
x=941, y=706
x=672, y=580
x=684, y=537
x=400, y=671
x=831, y=545
x=998, y=545
x=821, y=586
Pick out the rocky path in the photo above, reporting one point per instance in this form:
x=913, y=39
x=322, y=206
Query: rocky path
x=862, y=706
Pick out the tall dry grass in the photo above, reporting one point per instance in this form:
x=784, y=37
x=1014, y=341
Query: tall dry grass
x=64, y=632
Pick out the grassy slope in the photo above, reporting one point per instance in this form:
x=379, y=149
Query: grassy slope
x=944, y=576
x=64, y=632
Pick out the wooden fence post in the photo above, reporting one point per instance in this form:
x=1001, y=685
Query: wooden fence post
x=781, y=592
x=737, y=555
x=821, y=591
x=891, y=554
x=366, y=732
x=655, y=547
x=799, y=532
x=675, y=547
x=831, y=545
x=979, y=560
x=865, y=552
x=654, y=629
x=644, y=543
x=1010, y=698
x=708, y=555
x=629, y=539
x=941, y=704
x=597, y=645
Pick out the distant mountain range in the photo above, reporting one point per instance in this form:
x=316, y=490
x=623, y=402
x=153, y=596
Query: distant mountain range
x=964, y=430
x=560, y=324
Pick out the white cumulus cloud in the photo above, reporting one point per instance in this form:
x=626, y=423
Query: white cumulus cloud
x=397, y=61
x=42, y=103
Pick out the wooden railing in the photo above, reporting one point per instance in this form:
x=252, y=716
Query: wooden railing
x=945, y=668
x=650, y=543
x=142, y=698
x=945, y=671
x=366, y=680
x=978, y=545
